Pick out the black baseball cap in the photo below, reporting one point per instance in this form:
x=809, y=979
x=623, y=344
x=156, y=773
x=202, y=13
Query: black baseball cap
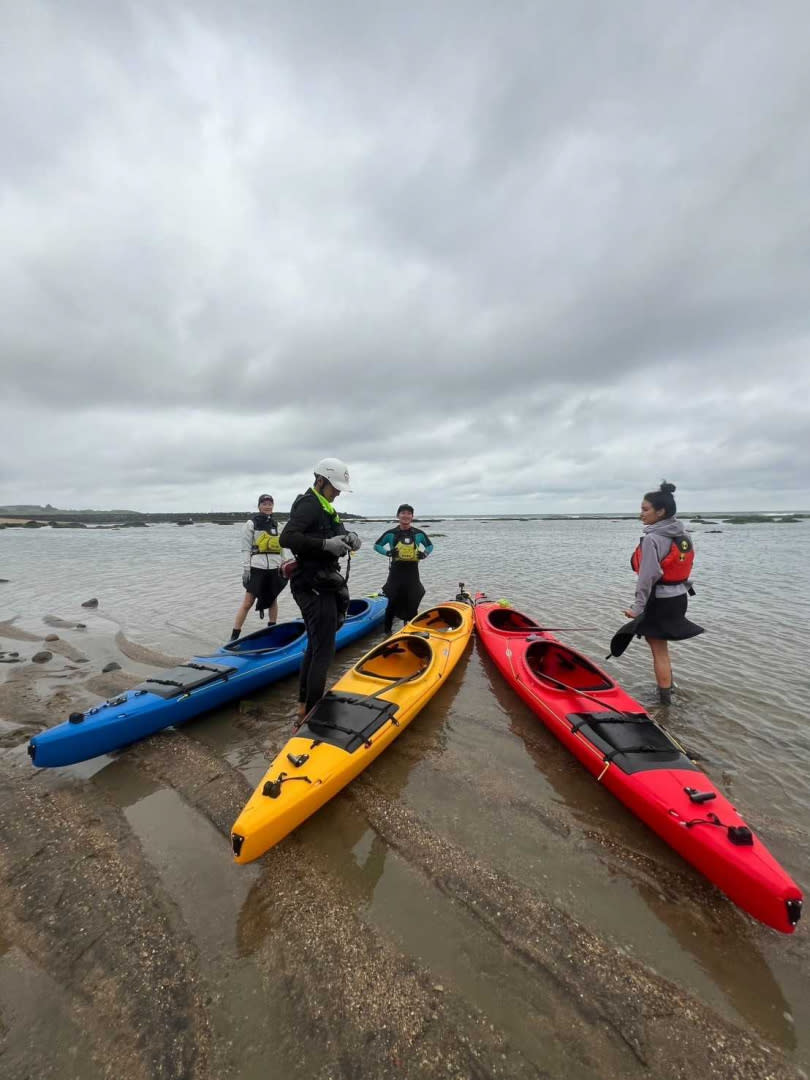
x=263, y=498
x=404, y=506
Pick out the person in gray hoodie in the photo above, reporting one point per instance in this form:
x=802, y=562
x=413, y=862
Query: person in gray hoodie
x=663, y=561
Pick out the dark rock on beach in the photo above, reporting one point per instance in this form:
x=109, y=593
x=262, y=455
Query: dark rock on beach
x=112, y=666
x=42, y=657
x=51, y=637
x=90, y=603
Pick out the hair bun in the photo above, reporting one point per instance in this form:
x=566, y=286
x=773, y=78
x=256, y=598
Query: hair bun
x=666, y=486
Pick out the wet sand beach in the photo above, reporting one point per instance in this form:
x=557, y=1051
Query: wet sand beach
x=474, y=905
x=132, y=947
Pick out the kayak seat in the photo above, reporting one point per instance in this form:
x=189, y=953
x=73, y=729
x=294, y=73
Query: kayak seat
x=631, y=740
x=549, y=659
x=439, y=618
x=507, y=619
x=405, y=657
x=346, y=720
x=184, y=679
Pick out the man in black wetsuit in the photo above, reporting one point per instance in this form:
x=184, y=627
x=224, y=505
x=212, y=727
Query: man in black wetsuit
x=317, y=537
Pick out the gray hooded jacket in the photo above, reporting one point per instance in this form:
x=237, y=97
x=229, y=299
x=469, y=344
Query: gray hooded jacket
x=655, y=543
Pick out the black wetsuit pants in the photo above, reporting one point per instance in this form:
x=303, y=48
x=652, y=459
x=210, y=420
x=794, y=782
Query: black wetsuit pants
x=321, y=614
x=404, y=591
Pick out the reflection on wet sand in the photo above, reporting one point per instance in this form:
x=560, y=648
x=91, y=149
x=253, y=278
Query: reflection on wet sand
x=724, y=946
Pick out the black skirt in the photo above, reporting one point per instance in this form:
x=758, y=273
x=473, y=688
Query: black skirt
x=265, y=585
x=665, y=618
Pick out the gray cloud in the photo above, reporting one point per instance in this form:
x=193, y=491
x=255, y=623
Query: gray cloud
x=495, y=258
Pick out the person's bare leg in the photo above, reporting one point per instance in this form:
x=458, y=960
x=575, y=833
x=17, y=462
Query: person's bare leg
x=662, y=666
x=241, y=614
x=272, y=612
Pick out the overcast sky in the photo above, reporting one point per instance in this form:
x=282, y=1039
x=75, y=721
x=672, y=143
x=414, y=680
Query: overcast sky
x=500, y=257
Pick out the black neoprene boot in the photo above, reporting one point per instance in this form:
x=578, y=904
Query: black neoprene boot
x=235, y=634
x=665, y=695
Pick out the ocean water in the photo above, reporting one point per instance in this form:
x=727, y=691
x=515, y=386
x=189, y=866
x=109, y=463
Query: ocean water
x=741, y=707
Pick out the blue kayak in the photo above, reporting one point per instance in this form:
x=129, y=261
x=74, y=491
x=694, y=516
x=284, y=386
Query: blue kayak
x=201, y=683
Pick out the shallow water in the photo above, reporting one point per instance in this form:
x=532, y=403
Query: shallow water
x=476, y=764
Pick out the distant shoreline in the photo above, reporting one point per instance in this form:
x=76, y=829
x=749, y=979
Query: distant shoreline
x=31, y=518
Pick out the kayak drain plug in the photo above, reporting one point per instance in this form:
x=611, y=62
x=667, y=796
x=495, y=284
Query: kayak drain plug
x=76, y=717
x=297, y=759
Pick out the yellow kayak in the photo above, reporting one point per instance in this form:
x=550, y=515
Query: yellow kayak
x=352, y=724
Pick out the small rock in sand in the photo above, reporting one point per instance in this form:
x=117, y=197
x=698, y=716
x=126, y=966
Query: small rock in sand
x=51, y=637
x=112, y=666
x=42, y=657
x=90, y=603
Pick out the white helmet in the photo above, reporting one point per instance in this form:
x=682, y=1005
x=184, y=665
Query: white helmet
x=335, y=471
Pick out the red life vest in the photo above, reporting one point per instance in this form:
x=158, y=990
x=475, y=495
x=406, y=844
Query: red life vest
x=676, y=565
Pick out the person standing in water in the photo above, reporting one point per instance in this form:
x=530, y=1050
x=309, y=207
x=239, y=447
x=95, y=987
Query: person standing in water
x=262, y=556
x=405, y=547
x=663, y=561
x=318, y=539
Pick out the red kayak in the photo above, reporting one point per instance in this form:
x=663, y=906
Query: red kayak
x=636, y=759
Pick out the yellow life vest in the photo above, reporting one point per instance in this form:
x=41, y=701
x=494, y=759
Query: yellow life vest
x=267, y=543
x=405, y=550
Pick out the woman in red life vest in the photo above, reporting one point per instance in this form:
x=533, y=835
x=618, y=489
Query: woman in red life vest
x=663, y=561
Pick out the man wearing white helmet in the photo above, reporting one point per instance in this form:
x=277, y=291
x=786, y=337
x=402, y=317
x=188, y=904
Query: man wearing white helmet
x=318, y=539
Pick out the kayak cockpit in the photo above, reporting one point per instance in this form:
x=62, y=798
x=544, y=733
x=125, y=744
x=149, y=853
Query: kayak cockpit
x=268, y=639
x=554, y=663
x=439, y=618
x=402, y=658
x=349, y=720
x=357, y=608
x=509, y=621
